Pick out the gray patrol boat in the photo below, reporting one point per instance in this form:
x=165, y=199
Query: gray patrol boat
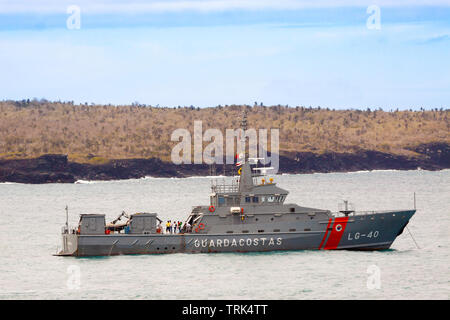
x=248, y=215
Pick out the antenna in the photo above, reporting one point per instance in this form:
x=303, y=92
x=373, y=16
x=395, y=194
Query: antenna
x=212, y=169
x=244, y=128
x=244, y=120
x=67, y=219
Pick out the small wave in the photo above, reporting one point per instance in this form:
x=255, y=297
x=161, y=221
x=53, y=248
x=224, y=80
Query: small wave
x=207, y=177
x=91, y=181
x=385, y=170
x=157, y=178
x=361, y=171
x=113, y=180
x=148, y=178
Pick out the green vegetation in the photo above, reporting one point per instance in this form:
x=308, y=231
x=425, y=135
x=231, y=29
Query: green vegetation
x=97, y=133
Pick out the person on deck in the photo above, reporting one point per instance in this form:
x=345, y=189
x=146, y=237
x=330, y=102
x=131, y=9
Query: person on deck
x=159, y=228
x=168, y=226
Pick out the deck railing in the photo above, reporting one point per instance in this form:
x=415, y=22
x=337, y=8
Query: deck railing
x=360, y=213
x=225, y=188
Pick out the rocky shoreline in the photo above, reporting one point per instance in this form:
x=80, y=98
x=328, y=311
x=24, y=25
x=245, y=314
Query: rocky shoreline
x=55, y=168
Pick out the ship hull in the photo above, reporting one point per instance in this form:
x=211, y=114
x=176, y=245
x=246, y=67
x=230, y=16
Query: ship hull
x=360, y=232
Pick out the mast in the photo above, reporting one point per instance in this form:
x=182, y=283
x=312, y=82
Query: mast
x=67, y=219
x=245, y=180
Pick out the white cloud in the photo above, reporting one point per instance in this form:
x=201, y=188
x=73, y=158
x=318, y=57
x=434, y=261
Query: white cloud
x=160, y=6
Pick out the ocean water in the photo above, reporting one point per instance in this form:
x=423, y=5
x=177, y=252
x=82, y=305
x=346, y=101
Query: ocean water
x=32, y=216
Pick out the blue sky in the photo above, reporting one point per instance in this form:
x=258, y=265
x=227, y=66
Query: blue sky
x=210, y=52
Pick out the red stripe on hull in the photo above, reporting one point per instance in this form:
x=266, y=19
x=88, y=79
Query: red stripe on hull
x=336, y=233
x=325, y=236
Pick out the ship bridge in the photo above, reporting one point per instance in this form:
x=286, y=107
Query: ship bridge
x=250, y=188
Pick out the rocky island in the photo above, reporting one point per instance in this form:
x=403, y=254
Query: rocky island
x=48, y=142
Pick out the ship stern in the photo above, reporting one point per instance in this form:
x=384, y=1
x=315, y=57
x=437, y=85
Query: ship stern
x=69, y=245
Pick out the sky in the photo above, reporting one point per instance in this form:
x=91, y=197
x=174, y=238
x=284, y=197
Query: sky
x=337, y=54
